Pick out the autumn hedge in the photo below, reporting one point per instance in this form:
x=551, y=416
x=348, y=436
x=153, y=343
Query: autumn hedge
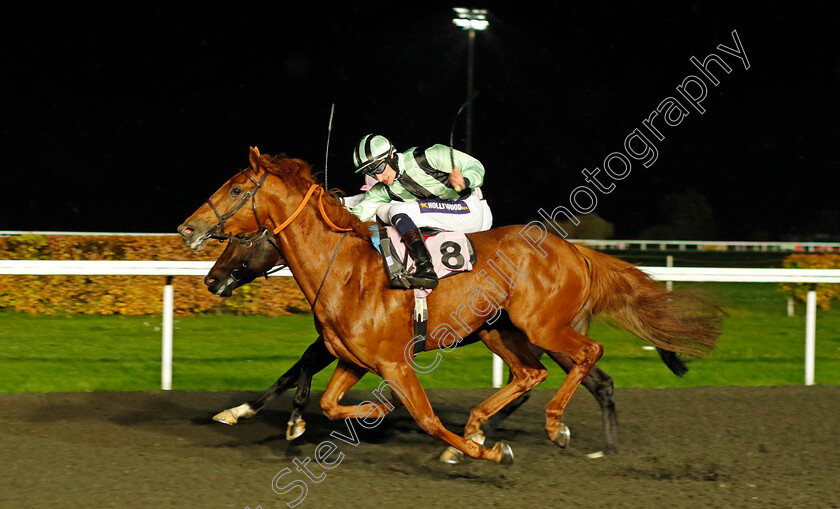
x=130, y=295
x=825, y=292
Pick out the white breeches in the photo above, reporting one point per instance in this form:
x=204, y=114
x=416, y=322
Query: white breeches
x=467, y=216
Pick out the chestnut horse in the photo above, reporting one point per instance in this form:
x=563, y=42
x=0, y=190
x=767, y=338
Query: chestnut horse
x=547, y=286
x=245, y=259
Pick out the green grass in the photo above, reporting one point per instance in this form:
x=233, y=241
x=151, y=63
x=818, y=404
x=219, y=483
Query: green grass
x=760, y=345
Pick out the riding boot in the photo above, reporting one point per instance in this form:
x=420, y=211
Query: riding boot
x=424, y=272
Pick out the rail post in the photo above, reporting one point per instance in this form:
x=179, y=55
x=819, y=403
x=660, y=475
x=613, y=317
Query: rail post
x=810, y=334
x=166, y=342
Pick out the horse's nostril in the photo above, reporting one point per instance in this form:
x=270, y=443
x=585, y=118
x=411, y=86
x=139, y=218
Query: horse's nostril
x=210, y=280
x=187, y=231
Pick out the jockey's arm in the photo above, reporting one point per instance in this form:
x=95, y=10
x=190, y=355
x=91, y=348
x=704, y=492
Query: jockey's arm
x=471, y=168
x=374, y=197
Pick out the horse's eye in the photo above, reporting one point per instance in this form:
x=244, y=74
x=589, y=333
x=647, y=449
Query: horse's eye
x=245, y=264
x=236, y=191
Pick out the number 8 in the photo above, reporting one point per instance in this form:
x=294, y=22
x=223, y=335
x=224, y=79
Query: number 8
x=450, y=250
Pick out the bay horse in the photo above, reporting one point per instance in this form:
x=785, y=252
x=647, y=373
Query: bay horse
x=255, y=255
x=547, y=286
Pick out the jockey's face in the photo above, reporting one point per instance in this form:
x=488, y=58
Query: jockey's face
x=387, y=176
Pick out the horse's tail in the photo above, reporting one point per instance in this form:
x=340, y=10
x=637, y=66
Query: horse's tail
x=674, y=363
x=678, y=321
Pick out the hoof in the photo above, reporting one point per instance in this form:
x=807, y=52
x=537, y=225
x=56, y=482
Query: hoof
x=452, y=456
x=226, y=417
x=477, y=437
x=295, y=429
x=231, y=415
x=505, y=453
x=562, y=437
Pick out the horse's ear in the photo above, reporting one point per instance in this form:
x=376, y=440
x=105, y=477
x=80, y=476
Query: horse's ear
x=255, y=158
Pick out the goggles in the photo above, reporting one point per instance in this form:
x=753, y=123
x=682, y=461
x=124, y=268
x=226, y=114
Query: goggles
x=377, y=169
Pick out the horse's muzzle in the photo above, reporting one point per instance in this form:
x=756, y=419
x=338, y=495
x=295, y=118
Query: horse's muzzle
x=193, y=237
x=218, y=287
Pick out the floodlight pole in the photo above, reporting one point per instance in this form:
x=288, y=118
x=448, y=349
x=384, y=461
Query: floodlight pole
x=470, y=20
x=470, y=87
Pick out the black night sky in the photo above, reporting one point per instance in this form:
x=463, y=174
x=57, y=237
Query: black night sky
x=127, y=117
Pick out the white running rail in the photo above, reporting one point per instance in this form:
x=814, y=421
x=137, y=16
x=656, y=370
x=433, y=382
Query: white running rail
x=170, y=269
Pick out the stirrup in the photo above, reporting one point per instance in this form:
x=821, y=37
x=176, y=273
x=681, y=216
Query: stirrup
x=405, y=281
x=422, y=282
x=400, y=280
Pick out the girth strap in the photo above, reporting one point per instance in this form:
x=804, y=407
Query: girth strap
x=421, y=320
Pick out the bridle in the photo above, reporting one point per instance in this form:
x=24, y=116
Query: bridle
x=249, y=242
x=218, y=230
x=251, y=196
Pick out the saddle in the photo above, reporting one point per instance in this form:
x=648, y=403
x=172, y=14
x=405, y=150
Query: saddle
x=452, y=253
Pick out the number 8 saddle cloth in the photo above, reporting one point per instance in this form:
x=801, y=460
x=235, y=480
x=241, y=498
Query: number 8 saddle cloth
x=451, y=252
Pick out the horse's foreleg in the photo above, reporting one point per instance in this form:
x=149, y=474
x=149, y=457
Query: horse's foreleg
x=344, y=377
x=315, y=359
x=403, y=382
x=232, y=415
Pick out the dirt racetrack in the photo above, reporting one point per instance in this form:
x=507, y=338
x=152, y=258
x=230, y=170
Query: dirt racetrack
x=692, y=447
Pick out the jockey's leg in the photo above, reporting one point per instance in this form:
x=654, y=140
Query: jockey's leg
x=424, y=272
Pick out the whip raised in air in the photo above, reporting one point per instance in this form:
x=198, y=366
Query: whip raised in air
x=457, y=188
x=327, y=155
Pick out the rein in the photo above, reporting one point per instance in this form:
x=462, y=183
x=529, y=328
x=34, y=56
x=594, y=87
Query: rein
x=297, y=212
x=324, y=279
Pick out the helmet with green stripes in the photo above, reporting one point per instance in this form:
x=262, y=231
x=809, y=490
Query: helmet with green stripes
x=372, y=153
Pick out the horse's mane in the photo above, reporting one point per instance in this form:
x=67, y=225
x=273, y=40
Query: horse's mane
x=298, y=174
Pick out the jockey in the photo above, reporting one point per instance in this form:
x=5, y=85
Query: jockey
x=421, y=189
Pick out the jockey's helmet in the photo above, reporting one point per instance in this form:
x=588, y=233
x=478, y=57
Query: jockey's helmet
x=372, y=153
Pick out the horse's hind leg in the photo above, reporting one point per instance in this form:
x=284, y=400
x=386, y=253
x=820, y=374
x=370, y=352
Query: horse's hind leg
x=526, y=373
x=600, y=385
x=597, y=381
x=584, y=352
x=496, y=419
